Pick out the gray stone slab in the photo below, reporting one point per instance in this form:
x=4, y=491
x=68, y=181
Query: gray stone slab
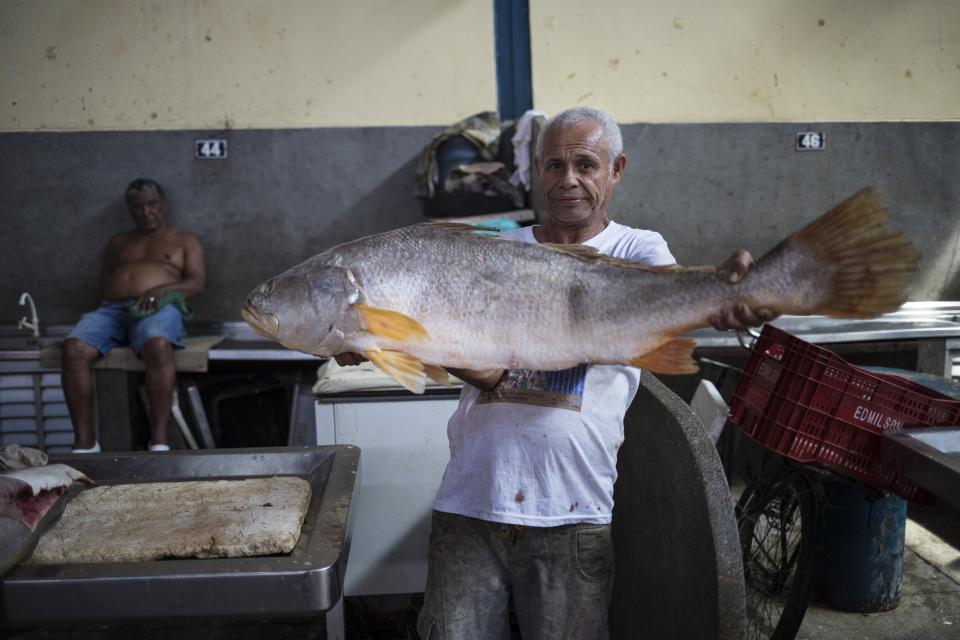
x=679, y=572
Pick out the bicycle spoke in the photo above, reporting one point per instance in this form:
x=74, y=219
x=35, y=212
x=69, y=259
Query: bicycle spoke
x=772, y=525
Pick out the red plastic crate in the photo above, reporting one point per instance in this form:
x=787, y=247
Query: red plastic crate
x=810, y=405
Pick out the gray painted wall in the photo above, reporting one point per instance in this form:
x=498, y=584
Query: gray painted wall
x=284, y=195
x=280, y=197
x=710, y=189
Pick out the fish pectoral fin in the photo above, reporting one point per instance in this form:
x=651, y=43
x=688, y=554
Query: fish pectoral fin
x=672, y=357
x=390, y=325
x=438, y=374
x=405, y=369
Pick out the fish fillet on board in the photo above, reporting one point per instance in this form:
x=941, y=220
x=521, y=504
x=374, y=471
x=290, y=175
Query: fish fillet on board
x=428, y=296
x=27, y=494
x=198, y=518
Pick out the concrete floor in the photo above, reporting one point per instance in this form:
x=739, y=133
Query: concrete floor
x=930, y=598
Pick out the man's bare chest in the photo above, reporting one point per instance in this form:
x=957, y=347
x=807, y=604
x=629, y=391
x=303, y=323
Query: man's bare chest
x=162, y=250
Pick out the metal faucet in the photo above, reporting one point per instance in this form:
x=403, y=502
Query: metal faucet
x=34, y=321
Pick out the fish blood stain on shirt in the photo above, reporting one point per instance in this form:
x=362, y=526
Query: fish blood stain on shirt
x=520, y=497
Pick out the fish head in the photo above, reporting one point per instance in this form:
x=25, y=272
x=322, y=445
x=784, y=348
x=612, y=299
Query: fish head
x=302, y=308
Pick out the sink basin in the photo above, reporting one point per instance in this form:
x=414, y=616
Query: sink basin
x=24, y=347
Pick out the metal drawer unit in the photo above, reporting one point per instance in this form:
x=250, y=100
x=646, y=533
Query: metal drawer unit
x=33, y=412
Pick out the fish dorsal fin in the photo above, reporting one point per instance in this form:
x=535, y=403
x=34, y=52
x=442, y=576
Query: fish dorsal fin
x=579, y=250
x=589, y=253
x=460, y=227
x=391, y=325
x=675, y=356
x=404, y=368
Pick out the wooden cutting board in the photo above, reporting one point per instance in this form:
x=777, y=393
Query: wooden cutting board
x=195, y=519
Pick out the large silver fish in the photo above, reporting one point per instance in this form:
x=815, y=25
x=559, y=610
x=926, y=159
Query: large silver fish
x=427, y=296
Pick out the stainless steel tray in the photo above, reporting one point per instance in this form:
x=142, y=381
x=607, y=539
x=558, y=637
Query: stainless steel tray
x=307, y=581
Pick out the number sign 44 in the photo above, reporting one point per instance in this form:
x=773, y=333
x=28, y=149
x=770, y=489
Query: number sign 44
x=211, y=149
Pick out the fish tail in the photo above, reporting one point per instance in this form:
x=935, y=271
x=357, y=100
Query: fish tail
x=847, y=264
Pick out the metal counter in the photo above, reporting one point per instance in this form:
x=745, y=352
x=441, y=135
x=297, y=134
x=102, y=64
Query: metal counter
x=307, y=581
x=914, y=321
x=258, y=349
x=929, y=457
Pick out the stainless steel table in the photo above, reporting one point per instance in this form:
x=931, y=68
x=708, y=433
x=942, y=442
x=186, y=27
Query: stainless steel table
x=306, y=582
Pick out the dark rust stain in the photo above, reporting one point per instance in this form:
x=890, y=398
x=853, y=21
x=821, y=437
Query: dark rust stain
x=520, y=497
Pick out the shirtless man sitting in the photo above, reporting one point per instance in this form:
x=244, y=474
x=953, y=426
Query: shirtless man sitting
x=139, y=267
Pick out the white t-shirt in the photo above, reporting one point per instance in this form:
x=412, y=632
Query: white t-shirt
x=541, y=449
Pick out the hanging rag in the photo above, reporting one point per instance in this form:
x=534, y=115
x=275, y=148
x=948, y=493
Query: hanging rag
x=521, y=148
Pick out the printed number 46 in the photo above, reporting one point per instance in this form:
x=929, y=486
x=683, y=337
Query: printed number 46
x=811, y=141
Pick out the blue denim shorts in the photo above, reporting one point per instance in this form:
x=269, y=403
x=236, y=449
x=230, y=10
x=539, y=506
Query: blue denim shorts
x=110, y=325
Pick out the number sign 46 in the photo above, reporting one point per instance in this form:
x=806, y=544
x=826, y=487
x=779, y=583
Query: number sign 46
x=811, y=141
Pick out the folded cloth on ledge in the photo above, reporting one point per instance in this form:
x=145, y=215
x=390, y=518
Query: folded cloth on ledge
x=13, y=456
x=332, y=378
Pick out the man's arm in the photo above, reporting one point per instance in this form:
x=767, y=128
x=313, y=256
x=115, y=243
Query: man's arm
x=484, y=380
x=110, y=256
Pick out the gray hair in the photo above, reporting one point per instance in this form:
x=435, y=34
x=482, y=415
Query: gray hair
x=612, y=139
x=144, y=184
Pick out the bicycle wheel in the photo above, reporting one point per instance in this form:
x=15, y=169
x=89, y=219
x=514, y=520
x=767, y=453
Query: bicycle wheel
x=780, y=533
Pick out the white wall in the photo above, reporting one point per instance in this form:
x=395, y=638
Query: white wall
x=175, y=64
x=749, y=60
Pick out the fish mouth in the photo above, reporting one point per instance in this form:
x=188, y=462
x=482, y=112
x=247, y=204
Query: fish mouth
x=265, y=324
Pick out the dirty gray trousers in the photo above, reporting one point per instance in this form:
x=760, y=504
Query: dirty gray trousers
x=561, y=579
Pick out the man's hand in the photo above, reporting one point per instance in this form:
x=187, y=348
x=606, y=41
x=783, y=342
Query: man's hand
x=349, y=359
x=739, y=317
x=147, y=303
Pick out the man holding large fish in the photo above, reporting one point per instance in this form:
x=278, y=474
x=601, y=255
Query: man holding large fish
x=525, y=505
x=547, y=333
